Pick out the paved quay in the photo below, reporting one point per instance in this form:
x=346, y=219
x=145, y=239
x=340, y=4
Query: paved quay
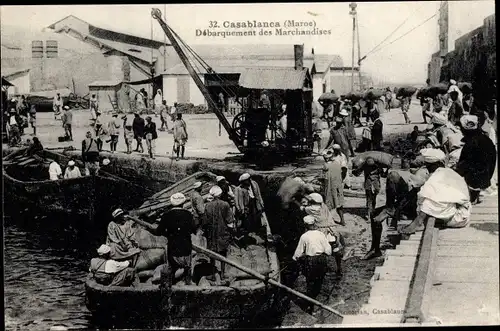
x=462, y=286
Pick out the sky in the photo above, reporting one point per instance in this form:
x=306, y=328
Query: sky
x=404, y=60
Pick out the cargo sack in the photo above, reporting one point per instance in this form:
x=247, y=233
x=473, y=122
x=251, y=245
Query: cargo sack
x=441, y=88
x=150, y=259
x=253, y=257
x=146, y=240
x=382, y=158
x=374, y=94
x=406, y=91
x=465, y=87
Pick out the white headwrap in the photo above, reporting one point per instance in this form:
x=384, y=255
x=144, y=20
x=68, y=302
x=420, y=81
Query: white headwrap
x=103, y=249
x=433, y=155
x=245, y=176
x=117, y=212
x=215, y=191
x=316, y=197
x=469, y=122
x=177, y=199
x=309, y=219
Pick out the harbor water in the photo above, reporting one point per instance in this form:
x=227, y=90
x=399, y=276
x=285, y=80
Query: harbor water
x=45, y=269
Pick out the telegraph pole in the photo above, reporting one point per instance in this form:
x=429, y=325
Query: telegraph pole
x=164, y=40
x=359, y=54
x=353, y=6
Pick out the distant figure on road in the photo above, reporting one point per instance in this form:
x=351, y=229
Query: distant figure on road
x=180, y=136
x=456, y=110
x=138, y=127
x=405, y=106
x=94, y=107
x=114, y=131
x=67, y=119
x=151, y=136
x=377, y=131
x=158, y=100
x=32, y=115
x=454, y=88
x=57, y=105
x=163, y=116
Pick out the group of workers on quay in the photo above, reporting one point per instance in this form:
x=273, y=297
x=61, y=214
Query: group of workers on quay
x=141, y=129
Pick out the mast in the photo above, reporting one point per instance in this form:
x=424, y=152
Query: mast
x=164, y=40
x=359, y=53
x=156, y=13
x=353, y=6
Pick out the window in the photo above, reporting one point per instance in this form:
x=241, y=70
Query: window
x=37, y=49
x=134, y=50
x=324, y=87
x=51, y=49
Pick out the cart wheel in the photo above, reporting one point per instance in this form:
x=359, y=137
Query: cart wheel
x=238, y=125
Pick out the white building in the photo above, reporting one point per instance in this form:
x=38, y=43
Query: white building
x=231, y=60
x=20, y=78
x=457, y=18
x=72, y=53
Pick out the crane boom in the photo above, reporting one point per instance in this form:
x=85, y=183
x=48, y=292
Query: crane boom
x=156, y=13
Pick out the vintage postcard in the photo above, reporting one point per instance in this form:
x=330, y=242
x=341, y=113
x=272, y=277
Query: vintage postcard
x=258, y=165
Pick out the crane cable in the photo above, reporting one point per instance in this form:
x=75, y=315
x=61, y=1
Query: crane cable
x=379, y=47
x=392, y=42
x=392, y=33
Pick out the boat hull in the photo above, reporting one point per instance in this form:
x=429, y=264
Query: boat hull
x=189, y=306
x=243, y=304
x=90, y=197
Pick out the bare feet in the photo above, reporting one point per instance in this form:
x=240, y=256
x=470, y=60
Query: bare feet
x=413, y=227
x=372, y=253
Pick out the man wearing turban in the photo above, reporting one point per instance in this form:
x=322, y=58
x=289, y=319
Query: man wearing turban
x=218, y=225
x=478, y=157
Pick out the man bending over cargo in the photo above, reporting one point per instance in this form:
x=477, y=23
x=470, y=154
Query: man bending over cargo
x=401, y=196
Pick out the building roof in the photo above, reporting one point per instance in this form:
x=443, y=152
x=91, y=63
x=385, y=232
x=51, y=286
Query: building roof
x=228, y=66
x=139, y=52
x=273, y=78
x=104, y=83
x=9, y=72
x=5, y=82
x=50, y=94
x=108, y=34
x=323, y=61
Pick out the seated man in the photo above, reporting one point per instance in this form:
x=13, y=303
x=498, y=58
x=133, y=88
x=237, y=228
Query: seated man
x=444, y=196
x=72, y=171
x=109, y=272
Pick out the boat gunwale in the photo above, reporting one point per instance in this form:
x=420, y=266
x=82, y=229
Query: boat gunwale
x=47, y=181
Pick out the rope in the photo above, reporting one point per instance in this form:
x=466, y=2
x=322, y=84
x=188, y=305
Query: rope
x=380, y=48
x=390, y=35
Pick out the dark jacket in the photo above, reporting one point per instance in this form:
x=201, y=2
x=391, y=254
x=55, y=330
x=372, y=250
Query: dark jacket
x=477, y=161
x=151, y=128
x=138, y=127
